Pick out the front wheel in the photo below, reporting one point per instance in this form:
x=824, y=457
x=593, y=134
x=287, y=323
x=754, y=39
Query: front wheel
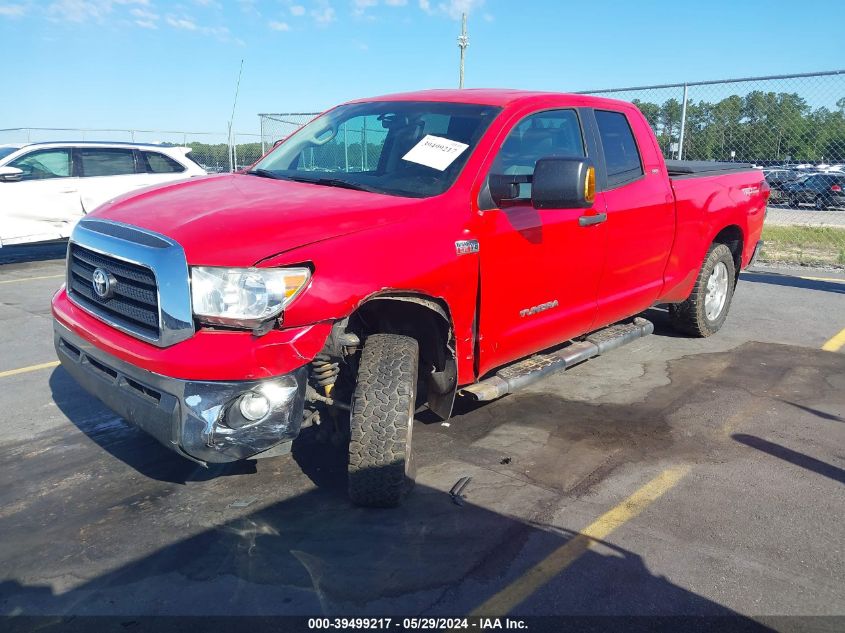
x=381, y=464
x=706, y=309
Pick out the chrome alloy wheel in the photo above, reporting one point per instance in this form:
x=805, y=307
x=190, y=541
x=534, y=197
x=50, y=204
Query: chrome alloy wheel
x=717, y=291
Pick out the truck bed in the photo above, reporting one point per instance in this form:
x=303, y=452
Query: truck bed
x=701, y=168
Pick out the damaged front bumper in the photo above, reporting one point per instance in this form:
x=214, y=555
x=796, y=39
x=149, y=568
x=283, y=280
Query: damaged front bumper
x=199, y=420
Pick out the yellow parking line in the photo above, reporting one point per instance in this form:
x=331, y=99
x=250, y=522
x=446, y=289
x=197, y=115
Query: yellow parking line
x=836, y=343
x=834, y=280
x=504, y=601
x=14, y=281
x=24, y=370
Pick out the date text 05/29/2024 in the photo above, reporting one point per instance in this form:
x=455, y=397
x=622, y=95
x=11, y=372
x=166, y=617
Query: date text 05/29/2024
x=416, y=624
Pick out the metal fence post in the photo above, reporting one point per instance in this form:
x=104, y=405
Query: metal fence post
x=263, y=151
x=364, y=144
x=345, y=146
x=683, y=125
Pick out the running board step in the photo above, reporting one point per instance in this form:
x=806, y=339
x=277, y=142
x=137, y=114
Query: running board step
x=518, y=375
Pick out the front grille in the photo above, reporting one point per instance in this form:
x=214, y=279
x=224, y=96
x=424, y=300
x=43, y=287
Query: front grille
x=134, y=304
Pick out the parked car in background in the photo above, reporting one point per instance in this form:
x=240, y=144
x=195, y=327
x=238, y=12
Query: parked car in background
x=45, y=188
x=779, y=177
x=821, y=190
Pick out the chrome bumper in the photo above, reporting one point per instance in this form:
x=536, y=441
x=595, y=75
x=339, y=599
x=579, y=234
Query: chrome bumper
x=186, y=416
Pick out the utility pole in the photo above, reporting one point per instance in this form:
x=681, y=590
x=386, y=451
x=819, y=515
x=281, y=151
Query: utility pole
x=463, y=42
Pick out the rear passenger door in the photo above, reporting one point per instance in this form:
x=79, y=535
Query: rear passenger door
x=640, y=216
x=105, y=173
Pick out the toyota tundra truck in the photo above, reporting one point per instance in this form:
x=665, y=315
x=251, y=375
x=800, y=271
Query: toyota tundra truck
x=391, y=254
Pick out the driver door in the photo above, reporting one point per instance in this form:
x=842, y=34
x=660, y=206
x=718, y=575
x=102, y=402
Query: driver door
x=540, y=268
x=44, y=204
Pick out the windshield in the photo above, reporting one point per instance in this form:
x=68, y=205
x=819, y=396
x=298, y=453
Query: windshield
x=401, y=148
x=5, y=151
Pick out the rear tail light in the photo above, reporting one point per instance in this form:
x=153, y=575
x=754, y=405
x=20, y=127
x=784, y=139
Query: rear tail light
x=836, y=188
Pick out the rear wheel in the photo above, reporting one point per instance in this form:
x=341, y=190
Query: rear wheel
x=381, y=463
x=820, y=203
x=706, y=309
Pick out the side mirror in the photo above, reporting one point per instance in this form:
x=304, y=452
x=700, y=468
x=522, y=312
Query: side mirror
x=504, y=188
x=10, y=174
x=563, y=183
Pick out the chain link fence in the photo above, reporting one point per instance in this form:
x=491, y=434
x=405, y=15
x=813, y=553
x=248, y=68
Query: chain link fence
x=356, y=147
x=792, y=126
x=211, y=150
x=277, y=127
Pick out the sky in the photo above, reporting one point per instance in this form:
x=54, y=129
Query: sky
x=156, y=64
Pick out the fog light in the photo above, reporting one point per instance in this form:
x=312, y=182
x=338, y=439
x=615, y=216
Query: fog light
x=254, y=406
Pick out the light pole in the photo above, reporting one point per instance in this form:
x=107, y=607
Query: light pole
x=463, y=42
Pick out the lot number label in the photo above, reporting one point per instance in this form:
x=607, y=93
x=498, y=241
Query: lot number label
x=435, y=152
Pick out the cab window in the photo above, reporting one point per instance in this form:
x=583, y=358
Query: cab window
x=44, y=164
x=551, y=133
x=620, y=149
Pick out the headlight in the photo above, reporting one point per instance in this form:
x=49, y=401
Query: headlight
x=244, y=296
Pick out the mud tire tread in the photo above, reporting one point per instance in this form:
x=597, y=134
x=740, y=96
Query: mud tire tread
x=380, y=451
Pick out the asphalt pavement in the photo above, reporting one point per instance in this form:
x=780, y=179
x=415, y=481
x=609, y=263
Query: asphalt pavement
x=673, y=476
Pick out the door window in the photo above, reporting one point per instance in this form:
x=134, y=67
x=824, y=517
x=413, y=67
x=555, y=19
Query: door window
x=551, y=133
x=95, y=161
x=620, y=149
x=155, y=163
x=44, y=164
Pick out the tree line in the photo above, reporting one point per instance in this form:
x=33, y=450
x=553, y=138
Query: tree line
x=757, y=127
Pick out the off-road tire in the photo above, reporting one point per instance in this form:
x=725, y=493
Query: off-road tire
x=690, y=317
x=381, y=464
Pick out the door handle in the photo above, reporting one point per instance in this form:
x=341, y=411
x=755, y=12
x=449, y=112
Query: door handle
x=589, y=220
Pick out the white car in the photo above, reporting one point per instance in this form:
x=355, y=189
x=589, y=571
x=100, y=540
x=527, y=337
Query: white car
x=45, y=188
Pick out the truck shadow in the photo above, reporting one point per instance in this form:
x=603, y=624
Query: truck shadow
x=33, y=252
x=314, y=554
x=778, y=279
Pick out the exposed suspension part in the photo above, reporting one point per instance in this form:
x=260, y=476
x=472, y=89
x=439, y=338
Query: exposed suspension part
x=325, y=372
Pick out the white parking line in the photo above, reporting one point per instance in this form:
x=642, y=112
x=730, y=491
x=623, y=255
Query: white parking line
x=14, y=281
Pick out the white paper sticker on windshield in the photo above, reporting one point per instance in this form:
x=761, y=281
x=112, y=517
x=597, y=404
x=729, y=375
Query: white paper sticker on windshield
x=435, y=152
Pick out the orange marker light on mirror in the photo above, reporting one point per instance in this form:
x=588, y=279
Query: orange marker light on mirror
x=590, y=185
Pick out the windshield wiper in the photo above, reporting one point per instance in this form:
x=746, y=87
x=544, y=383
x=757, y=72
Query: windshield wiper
x=334, y=182
x=266, y=173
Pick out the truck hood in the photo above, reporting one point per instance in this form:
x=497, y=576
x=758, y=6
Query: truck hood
x=239, y=220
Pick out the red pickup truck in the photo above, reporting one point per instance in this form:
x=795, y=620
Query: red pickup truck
x=391, y=253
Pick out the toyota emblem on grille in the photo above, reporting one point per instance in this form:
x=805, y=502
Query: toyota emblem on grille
x=103, y=283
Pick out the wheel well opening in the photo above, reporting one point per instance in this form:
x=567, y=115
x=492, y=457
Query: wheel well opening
x=393, y=315
x=426, y=320
x=731, y=236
